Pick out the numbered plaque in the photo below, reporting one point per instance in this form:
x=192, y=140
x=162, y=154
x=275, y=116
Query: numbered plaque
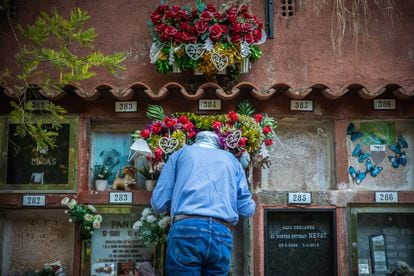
x=301, y=105
x=299, y=198
x=120, y=197
x=377, y=148
x=386, y=197
x=34, y=200
x=385, y=104
x=209, y=104
x=130, y=106
x=39, y=104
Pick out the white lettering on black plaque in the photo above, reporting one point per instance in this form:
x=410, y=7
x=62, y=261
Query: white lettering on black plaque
x=300, y=237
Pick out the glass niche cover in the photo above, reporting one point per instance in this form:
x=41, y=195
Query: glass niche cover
x=380, y=154
x=24, y=167
x=385, y=243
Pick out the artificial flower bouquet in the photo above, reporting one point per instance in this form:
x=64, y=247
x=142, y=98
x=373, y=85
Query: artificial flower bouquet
x=206, y=39
x=84, y=215
x=241, y=133
x=152, y=228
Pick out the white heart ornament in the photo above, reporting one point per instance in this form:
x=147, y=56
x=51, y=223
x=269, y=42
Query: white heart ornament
x=233, y=139
x=167, y=144
x=194, y=51
x=219, y=61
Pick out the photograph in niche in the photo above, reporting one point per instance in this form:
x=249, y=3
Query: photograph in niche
x=110, y=152
x=28, y=165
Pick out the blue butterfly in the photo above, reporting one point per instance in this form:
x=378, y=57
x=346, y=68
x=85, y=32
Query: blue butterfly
x=396, y=161
x=357, y=176
x=355, y=135
x=372, y=169
x=401, y=144
x=357, y=152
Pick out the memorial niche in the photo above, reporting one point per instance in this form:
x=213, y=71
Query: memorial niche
x=385, y=240
x=300, y=243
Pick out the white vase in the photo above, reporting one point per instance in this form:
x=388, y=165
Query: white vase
x=244, y=65
x=150, y=184
x=101, y=184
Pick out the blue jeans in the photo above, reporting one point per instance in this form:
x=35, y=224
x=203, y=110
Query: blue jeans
x=198, y=247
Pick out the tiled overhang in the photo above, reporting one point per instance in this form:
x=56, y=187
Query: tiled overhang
x=225, y=93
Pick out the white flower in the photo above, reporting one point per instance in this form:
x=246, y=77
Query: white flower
x=88, y=217
x=66, y=211
x=65, y=201
x=96, y=224
x=137, y=225
x=164, y=222
x=72, y=203
x=146, y=212
x=98, y=218
x=90, y=207
x=70, y=220
x=151, y=219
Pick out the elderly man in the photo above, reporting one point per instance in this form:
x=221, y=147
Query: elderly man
x=205, y=189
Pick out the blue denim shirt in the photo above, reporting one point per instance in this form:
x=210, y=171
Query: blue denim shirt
x=203, y=181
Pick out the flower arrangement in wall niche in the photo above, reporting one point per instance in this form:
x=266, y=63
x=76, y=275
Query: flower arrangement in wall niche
x=151, y=228
x=207, y=39
x=245, y=134
x=86, y=216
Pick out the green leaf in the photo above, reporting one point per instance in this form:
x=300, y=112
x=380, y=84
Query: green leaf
x=155, y=112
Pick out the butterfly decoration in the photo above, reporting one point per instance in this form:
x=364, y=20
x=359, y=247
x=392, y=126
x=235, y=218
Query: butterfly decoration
x=357, y=176
x=400, y=158
x=357, y=152
x=372, y=168
x=355, y=135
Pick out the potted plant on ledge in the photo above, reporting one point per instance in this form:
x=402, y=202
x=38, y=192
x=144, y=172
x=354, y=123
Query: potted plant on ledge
x=101, y=174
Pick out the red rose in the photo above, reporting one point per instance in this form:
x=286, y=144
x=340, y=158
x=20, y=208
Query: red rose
x=243, y=141
x=156, y=127
x=211, y=8
x=201, y=26
x=183, y=119
x=246, y=27
x=232, y=18
x=158, y=153
x=244, y=9
x=205, y=16
x=188, y=126
x=162, y=8
x=266, y=130
x=236, y=38
x=184, y=26
x=268, y=142
x=218, y=16
x=160, y=28
x=236, y=27
x=233, y=116
x=188, y=37
x=169, y=122
x=257, y=33
x=250, y=38
x=191, y=134
x=156, y=17
x=217, y=125
x=258, y=117
x=215, y=32
x=182, y=14
x=145, y=133
x=170, y=32
x=231, y=11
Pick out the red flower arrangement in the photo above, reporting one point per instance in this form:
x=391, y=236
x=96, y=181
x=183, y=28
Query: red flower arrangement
x=238, y=133
x=233, y=33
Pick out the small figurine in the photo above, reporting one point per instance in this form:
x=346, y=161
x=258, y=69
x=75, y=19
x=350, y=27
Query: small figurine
x=128, y=181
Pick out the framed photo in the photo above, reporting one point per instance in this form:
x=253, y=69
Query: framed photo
x=24, y=168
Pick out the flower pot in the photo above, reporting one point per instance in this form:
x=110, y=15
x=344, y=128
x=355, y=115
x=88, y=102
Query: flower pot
x=101, y=184
x=244, y=65
x=150, y=184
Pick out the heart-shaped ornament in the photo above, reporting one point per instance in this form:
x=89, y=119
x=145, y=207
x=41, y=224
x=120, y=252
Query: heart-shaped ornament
x=194, y=51
x=233, y=139
x=167, y=144
x=219, y=61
